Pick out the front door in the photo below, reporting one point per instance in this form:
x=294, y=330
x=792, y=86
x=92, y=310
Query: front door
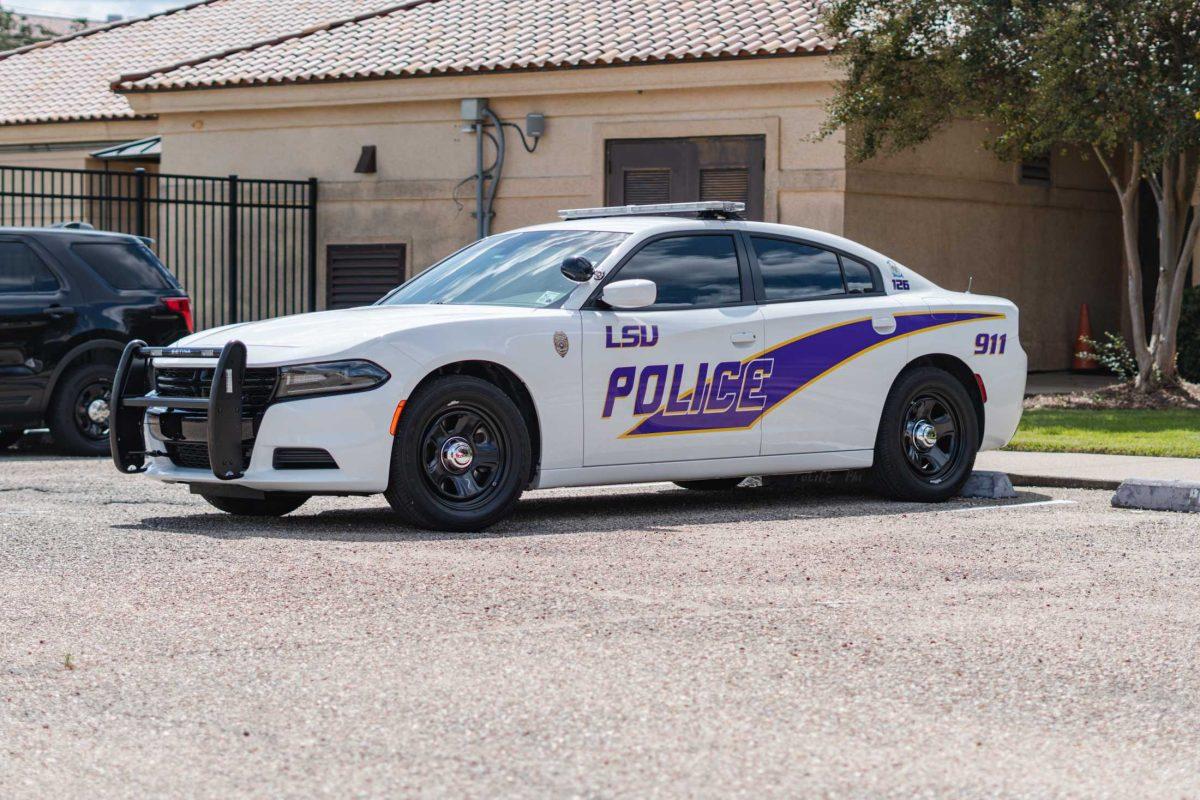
x=673, y=381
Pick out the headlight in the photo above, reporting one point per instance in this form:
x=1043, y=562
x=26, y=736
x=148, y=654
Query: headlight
x=331, y=377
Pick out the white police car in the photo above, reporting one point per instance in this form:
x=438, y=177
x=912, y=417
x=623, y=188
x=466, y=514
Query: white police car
x=619, y=345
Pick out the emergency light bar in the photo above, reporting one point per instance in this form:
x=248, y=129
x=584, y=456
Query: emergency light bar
x=710, y=209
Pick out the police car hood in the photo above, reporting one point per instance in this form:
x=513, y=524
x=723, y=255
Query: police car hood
x=307, y=337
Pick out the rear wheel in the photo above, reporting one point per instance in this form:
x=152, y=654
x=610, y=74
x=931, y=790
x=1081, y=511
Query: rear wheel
x=10, y=436
x=275, y=504
x=711, y=485
x=928, y=437
x=461, y=456
x=78, y=415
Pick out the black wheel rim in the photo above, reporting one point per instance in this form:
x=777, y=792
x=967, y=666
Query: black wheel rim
x=464, y=456
x=92, y=409
x=930, y=436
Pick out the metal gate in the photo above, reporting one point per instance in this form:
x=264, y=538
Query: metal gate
x=244, y=249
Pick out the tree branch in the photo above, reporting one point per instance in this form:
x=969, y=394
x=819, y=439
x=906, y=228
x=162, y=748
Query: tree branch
x=1112, y=176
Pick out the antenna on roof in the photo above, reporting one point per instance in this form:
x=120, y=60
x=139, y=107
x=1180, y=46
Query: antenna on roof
x=709, y=209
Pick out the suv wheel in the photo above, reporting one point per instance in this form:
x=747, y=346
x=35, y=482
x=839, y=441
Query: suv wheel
x=927, y=439
x=461, y=456
x=78, y=416
x=275, y=504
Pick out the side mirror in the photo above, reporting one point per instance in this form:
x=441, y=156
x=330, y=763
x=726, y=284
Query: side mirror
x=633, y=293
x=577, y=268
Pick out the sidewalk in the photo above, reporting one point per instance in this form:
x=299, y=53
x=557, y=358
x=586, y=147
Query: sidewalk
x=1083, y=470
x=1066, y=383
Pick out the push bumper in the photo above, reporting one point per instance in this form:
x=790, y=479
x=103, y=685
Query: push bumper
x=224, y=425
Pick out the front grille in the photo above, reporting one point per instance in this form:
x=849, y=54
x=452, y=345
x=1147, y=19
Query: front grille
x=194, y=455
x=258, y=385
x=302, y=458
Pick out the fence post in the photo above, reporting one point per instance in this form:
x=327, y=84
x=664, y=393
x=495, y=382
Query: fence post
x=231, y=275
x=312, y=244
x=139, y=201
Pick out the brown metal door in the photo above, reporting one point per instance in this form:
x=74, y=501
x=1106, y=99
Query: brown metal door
x=641, y=171
x=360, y=274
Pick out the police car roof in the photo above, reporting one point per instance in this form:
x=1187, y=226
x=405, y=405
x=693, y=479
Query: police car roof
x=73, y=232
x=654, y=225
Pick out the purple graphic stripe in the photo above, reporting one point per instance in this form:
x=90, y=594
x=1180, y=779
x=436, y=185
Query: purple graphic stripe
x=797, y=363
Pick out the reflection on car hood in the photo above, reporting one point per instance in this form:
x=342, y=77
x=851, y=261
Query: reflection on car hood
x=325, y=333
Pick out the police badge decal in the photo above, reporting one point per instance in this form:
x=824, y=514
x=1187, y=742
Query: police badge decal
x=561, y=343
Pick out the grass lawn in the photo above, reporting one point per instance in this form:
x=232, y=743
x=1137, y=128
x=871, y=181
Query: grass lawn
x=1123, y=432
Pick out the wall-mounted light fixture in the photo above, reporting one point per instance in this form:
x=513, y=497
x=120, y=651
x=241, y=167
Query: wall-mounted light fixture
x=366, y=161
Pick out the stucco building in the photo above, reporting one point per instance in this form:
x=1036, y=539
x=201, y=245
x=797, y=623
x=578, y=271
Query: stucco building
x=643, y=100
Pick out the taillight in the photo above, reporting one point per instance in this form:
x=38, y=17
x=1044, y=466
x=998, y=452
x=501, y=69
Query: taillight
x=183, y=307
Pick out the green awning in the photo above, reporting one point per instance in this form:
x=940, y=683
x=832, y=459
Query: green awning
x=148, y=149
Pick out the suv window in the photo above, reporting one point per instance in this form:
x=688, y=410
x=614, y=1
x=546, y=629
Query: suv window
x=797, y=271
x=124, y=265
x=22, y=272
x=689, y=271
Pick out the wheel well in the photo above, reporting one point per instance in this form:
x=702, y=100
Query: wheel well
x=962, y=373
x=96, y=351
x=511, y=385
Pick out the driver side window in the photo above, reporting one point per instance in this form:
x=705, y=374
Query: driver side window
x=689, y=271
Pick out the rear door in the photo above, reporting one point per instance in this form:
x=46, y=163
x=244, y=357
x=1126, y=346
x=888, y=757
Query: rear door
x=34, y=322
x=835, y=342
x=669, y=382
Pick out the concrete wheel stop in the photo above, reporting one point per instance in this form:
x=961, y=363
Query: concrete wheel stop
x=988, y=485
x=1158, y=495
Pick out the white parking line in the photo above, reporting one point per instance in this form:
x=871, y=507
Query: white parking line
x=1011, y=505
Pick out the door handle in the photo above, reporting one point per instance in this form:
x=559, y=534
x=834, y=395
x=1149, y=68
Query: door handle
x=743, y=337
x=884, y=325
x=57, y=312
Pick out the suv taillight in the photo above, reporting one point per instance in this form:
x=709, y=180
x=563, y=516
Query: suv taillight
x=183, y=307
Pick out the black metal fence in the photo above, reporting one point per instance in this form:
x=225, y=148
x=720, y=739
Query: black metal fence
x=244, y=249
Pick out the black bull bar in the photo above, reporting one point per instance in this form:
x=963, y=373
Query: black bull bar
x=132, y=395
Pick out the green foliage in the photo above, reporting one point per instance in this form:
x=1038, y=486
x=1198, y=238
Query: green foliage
x=1189, y=336
x=1046, y=73
x=16, y=32
x=1114, y=355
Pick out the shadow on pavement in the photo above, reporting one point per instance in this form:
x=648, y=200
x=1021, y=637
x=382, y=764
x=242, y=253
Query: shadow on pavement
x=653, y=510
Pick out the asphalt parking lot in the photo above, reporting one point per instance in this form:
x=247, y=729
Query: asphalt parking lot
x=631, y=641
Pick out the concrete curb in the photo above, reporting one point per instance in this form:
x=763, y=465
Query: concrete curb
x=1063, y=482
x=988, y=485
x=1158, y=495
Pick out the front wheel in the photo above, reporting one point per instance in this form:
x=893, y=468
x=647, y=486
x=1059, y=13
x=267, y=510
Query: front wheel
x=275, y=504
x=461, y=456
x=927, y=439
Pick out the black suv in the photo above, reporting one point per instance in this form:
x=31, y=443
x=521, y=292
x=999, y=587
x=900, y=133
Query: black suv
x=70, y=298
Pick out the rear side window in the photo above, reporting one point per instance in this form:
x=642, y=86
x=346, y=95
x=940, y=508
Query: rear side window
x=124, y=265
x=860, y=279
x=22, y=272
x=689, y=271
x=797, y=271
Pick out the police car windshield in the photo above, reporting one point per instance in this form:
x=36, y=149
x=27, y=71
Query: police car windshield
x=509, y=269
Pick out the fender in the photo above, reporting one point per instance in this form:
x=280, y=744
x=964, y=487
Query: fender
x=114, y=346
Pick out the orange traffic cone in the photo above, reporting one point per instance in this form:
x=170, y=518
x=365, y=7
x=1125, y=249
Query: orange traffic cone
x=1083, y=359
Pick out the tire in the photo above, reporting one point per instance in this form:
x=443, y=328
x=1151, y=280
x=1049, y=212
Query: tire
x=10, y=436
x=275, y=504
x=461, y=456
x=78, y=414
x=907, y=465
x=712, y=485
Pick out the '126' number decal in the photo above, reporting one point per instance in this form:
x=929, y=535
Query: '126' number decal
x=990, y=344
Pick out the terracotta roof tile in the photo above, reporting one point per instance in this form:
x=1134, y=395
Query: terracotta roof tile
x=431, y=37
x=70, y=78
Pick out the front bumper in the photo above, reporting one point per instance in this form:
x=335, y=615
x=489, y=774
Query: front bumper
x=149, y=431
